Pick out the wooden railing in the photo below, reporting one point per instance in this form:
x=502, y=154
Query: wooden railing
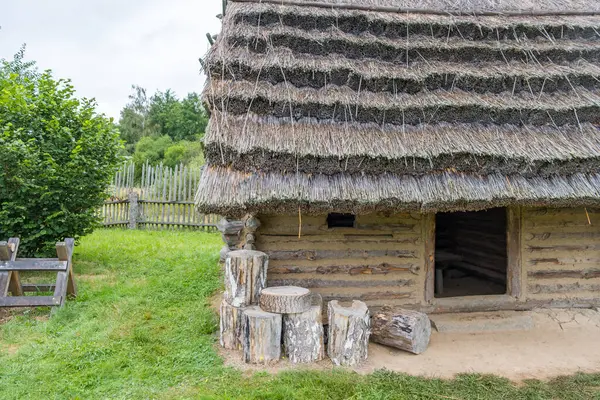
x=163, y=198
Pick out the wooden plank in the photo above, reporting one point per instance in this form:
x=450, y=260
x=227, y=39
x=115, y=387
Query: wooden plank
x=352, y=270
x=429, y=256
x=563, y=288
x=10, y=281
x=324, y=283
x=338, y=254
x=513, y=248
x=563, y=247
x=559, y=274
x=30, y=301
x=44, y=287
x=33, y=265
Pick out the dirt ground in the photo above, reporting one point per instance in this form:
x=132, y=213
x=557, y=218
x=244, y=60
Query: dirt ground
x=561, y=342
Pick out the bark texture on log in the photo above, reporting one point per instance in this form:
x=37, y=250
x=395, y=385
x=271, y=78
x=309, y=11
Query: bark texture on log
x=303, y=334
x=245, y=277
x=349, y=330
x=261, y=336
x=403, y=329
x=285, y=299
x=231, y=326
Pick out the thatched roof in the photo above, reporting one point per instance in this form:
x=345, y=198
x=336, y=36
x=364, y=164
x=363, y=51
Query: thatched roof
x=403, y=104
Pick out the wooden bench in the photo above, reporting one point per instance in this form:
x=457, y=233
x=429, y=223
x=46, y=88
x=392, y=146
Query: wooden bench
x=10, y=280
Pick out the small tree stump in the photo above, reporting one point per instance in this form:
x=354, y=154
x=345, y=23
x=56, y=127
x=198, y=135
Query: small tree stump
x=403, y=329
x=285, y=299
x=245, y=277
x=261, y=337
x=348, y=333
x=230, y=326
x=303, y=334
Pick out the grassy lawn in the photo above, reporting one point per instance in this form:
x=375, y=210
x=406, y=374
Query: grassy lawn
x=142, y=328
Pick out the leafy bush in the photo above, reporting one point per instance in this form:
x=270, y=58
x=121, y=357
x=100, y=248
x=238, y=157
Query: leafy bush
x=58, y=156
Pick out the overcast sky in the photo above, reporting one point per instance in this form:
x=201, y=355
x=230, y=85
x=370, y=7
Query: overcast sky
x=105, y=46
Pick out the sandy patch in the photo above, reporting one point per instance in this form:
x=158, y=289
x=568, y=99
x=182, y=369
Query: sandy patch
x=561, y=342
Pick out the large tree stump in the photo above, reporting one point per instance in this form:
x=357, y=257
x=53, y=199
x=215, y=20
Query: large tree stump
x=261, y=337
x=303, y=334
x=349, y=329
x=285, y=299
x=403, y=329
x=230, y=326
x=245, y=277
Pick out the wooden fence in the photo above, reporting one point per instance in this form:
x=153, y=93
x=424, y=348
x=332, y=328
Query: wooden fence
x=162, y=198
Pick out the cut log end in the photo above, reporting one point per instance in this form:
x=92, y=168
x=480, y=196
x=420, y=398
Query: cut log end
x=403, y=329
x=230, y=326
x=303, y=334
x=349, y=330
x=245, y=277
x=261, y=338
x=285, y=299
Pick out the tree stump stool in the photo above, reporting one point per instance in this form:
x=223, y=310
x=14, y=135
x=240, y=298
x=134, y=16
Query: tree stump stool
x=349, y=329
x=261, y=337
x=285, y=300
x=230, y=332
x=303, y=334
x=403, y=329
x=245, y=277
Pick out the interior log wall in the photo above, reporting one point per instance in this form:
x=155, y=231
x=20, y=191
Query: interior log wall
x=379, y=261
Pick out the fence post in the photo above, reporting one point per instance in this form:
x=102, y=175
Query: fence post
x=133, y=210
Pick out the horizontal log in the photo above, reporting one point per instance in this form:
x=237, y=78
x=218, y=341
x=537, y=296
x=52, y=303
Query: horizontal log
x=581, y=221
x=323, y=283
x=483, y=272
x=337, y=254
x=353, y=270
x=115, y=223
x=33, y=265
x=563, y=260
x=326, y=242
x=563, y=288
x=561, y=236
x=560, y=211
x=30, y=301
x=564, y=247
x=167, y=202
x=366, y=296
x=558, y=274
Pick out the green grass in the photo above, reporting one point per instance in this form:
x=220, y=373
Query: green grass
x=142, y=328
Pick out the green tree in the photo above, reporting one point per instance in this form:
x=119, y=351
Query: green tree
x=58, y=156
x=135, y=123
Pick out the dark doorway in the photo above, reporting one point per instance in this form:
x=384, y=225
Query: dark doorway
x=471, y=253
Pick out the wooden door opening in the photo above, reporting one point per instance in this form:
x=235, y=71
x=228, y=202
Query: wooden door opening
x=471, y=256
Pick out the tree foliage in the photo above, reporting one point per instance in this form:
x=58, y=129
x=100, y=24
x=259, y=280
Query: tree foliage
x=58, y=156
x=163, y=129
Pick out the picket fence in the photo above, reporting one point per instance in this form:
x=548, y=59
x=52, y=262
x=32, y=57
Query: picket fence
x=162, y=198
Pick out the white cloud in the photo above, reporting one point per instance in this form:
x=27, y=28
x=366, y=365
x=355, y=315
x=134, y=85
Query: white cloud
x=105, y=46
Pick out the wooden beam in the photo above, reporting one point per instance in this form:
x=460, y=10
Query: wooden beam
x=513, y=249
x=30, y=301
x=10, y=281
x=33, y=265
x=33, y=288
x=429, y=255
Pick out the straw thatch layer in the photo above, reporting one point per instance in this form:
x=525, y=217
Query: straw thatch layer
x=416, y=48
x=306, y=70
x=235, y=193
x=466, y=6
x=355, y=109
x=344, y=105
x=267, y=144
x=394, y=25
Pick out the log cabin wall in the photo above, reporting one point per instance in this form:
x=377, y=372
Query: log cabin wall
x=379, y=261
x=561, y=254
